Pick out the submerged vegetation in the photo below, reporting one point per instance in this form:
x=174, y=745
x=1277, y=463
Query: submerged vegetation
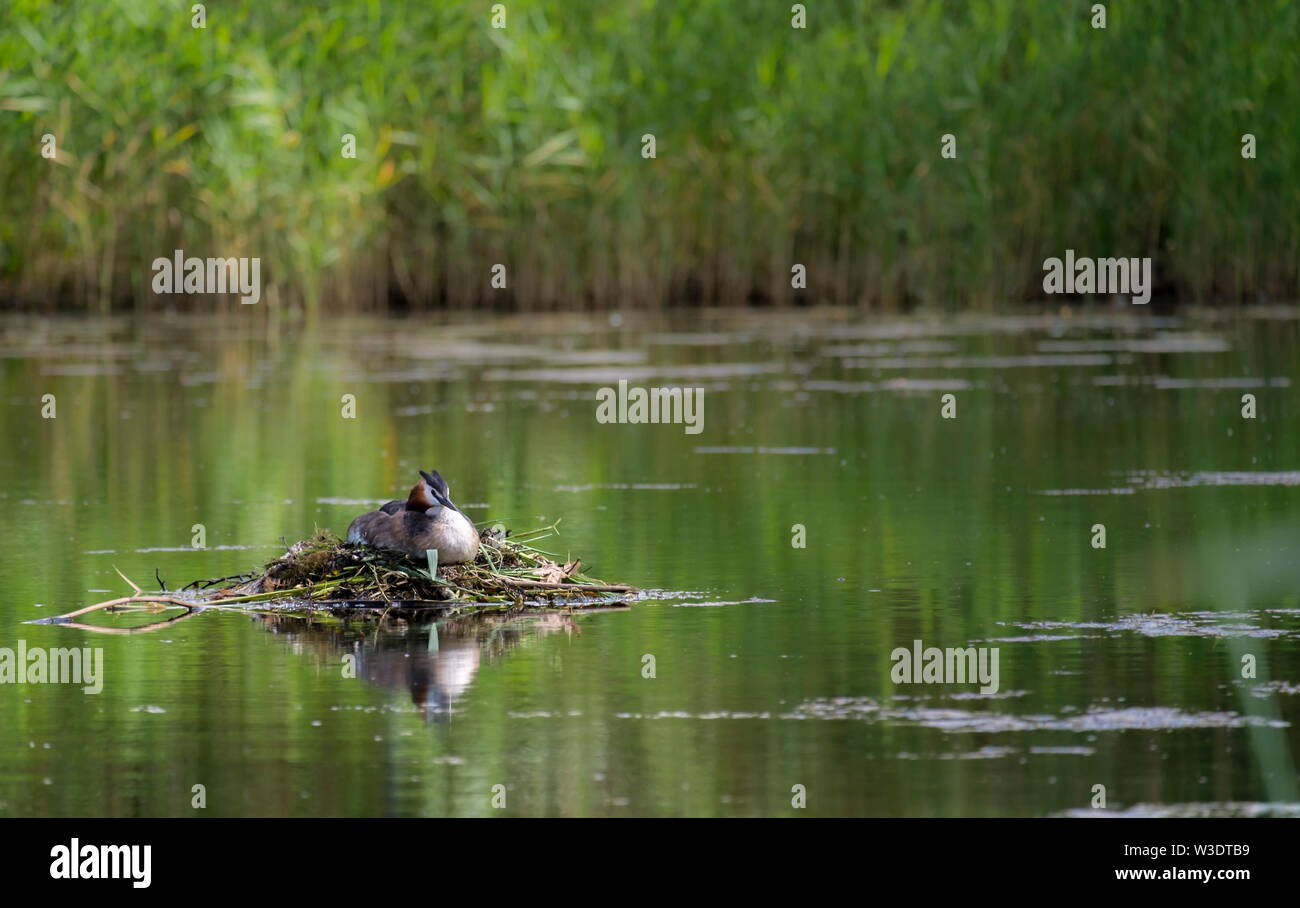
x=523, y=146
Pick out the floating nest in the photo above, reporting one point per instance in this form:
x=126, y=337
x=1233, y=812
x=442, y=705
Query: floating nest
x=326, y=574
x=508, y=571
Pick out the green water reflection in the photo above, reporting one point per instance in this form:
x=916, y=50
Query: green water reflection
x=1119, y=667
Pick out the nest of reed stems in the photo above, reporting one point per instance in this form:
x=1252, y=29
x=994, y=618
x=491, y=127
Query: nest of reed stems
x=349, y=580
x=508, y=571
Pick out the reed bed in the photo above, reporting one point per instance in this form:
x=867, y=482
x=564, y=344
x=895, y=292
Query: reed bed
x=522, y=146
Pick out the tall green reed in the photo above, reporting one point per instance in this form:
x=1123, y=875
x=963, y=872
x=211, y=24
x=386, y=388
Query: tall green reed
x=522, y=146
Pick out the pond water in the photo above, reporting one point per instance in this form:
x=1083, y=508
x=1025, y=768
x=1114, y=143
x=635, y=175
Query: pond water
x=772, y=663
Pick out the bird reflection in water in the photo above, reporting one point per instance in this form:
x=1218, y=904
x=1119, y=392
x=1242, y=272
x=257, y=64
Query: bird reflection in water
x=436, y=662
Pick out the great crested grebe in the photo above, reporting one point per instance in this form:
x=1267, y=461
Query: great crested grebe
x=426, y=520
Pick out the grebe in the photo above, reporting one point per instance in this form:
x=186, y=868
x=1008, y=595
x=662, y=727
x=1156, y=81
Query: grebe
x=426, y=520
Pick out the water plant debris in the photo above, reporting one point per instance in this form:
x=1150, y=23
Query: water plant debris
x=326, y=574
